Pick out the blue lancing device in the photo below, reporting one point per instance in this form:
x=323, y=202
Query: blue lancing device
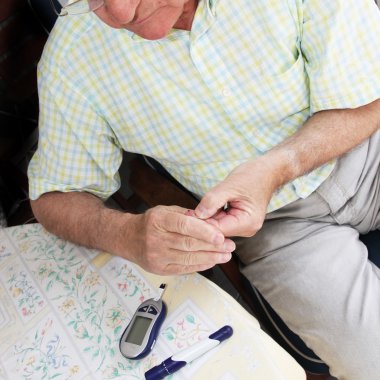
x=180, y=359
x=140, y=335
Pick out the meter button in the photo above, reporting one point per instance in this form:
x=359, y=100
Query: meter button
x=143, y=309
x=153, y=310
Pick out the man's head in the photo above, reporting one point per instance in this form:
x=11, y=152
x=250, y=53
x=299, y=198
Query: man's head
x=150, y=19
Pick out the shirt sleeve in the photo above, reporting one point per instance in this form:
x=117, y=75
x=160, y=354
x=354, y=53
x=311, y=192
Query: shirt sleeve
x=341, y=47
x=77, y=150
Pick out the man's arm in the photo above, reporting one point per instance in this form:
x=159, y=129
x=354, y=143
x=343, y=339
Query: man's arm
x=164, y=240
x=249, y=188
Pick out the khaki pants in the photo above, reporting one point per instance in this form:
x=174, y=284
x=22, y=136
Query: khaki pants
x=310, y=265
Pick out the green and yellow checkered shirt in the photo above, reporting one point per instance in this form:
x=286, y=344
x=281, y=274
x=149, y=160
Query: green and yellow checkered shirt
x=245, y=78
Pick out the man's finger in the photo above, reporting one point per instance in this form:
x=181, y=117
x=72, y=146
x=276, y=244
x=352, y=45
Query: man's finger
x=184, y=268
x=198, y=258
x=191, y=244
x=236, y=223
x=194, y=227
x=211, y=204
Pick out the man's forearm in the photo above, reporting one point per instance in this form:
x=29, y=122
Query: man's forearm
x=325, y=136
x=163, y=240
x=83, y=219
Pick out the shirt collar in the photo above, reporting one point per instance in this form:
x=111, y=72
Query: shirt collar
x=211, y=6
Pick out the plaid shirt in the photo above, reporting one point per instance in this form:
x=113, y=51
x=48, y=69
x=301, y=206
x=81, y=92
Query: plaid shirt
x=247, y=76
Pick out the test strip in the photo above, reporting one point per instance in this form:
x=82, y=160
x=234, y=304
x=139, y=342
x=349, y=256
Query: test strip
x=161, y=290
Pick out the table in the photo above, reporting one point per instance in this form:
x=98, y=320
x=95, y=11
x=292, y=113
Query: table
x=64, y=307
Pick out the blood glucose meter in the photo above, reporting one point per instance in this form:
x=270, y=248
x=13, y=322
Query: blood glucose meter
x=140, y=335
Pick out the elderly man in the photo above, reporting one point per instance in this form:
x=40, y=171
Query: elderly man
x=270, y=108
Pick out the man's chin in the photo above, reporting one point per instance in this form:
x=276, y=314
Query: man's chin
x=152, y=33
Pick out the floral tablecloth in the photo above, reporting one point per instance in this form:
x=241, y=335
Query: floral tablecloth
x=63, y=309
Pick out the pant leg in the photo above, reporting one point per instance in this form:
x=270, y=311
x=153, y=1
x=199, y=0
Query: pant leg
x=352, y=192
x=323, y=286
x=311, y=267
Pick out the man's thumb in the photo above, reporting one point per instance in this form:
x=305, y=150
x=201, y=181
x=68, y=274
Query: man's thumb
x=209, y=205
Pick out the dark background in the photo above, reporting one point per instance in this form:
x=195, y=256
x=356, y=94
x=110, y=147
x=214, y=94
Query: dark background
x=21, y=43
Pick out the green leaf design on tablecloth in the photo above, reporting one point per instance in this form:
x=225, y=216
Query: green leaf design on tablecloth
x=78, y=291
x=190, y=318
x=185, y=331
x=23, y=291
x=45, y=356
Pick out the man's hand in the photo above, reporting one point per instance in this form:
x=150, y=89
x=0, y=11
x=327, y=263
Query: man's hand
x=237, y=206
x=166, y=240
x=248, y=189
x=163, y=240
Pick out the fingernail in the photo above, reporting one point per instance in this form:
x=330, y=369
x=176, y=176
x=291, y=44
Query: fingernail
x=200, y=211
x=218, y=239
x=229, y=246
x=226, y=257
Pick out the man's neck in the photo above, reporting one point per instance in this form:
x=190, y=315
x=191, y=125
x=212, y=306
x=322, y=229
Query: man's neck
x=186, y=20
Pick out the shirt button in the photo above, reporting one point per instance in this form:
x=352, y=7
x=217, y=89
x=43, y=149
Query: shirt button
x=226, y=92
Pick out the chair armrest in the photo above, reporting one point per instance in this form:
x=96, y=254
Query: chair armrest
x=154, y=189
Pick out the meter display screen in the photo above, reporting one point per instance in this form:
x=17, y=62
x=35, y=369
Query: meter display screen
x=137, y=333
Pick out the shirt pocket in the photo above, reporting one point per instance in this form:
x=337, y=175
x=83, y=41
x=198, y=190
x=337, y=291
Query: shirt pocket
x=284, y=105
